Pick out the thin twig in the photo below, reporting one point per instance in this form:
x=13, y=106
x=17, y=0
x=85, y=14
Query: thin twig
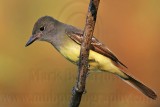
x=79, y=88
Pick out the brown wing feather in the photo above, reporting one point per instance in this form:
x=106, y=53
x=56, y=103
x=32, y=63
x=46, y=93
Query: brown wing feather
x=77, y=36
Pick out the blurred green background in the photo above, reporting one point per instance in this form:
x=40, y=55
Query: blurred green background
x=38, y=76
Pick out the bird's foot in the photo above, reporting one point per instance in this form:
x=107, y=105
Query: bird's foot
x=85, y=91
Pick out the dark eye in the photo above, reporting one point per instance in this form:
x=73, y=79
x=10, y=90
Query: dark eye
x=42, y=28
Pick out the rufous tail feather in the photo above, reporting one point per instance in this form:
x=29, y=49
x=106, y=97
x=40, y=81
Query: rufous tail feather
x=140, y=86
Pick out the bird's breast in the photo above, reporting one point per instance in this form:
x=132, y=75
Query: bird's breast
x=70, y=51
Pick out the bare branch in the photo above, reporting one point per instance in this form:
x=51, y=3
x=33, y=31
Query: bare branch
x=79, y=88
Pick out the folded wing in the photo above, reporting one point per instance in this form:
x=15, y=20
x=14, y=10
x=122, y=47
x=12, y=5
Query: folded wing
x=77, y=36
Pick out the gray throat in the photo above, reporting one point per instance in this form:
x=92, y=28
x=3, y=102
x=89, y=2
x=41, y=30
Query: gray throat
x=58, y=39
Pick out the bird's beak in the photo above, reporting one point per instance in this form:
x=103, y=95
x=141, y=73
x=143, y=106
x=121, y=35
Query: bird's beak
x=31, y=40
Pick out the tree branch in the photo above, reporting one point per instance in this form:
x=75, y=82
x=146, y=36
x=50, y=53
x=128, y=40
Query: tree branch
x=79, y=88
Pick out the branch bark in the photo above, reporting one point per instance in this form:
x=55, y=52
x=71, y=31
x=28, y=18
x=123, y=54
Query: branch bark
x=79, y=88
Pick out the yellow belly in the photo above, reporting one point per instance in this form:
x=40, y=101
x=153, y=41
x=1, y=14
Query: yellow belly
x=98, y=62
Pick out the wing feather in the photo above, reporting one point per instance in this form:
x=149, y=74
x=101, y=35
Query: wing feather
x=77, y=36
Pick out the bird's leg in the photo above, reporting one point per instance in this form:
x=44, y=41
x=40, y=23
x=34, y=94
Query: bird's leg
x=89, y=66
x=88, y=73
x=85, y=91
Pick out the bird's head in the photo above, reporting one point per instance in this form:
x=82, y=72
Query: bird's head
x=43, y=29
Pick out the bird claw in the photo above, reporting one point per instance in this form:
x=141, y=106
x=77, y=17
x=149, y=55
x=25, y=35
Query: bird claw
x=85, y=91
x=87, y=74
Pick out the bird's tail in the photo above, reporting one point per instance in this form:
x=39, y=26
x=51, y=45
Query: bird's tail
x=138, y=85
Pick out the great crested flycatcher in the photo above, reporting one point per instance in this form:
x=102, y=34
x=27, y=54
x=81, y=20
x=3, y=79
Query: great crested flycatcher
x=67, y=40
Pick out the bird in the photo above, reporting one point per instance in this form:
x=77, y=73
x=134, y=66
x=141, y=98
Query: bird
x=67, y=39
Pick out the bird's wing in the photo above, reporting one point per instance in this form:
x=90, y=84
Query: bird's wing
x=77, y=36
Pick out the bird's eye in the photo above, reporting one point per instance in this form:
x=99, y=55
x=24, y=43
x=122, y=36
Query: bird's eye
x=42, y=28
